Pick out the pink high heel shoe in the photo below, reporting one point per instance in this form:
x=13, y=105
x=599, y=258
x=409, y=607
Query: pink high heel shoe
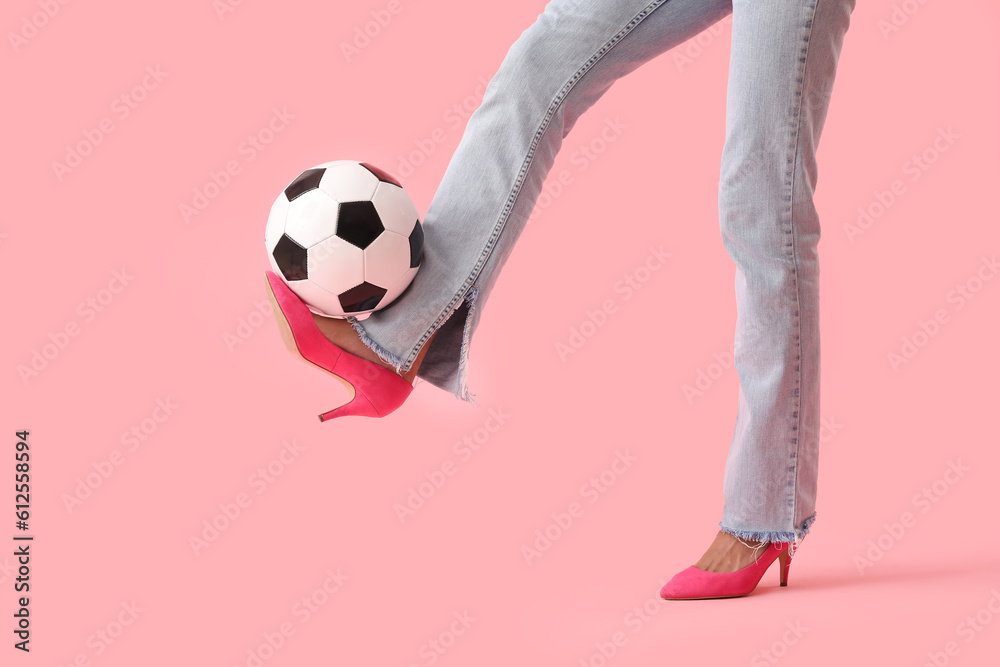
x=696, y=584
x=375, y=390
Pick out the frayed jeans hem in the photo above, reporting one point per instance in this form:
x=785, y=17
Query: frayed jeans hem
x=445, y=366
x=383, y=354
x=773, y=536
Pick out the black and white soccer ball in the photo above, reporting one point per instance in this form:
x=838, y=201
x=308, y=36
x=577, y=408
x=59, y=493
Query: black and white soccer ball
x=345, y=237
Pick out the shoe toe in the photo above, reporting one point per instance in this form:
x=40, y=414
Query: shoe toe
x=679, y=585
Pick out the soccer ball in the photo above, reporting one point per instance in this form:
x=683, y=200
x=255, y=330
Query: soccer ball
x=345, y=237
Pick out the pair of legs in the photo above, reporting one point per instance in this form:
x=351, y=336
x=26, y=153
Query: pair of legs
x=783, y=61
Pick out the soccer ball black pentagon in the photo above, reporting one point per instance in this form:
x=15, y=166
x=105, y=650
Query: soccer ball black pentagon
x=345, y=237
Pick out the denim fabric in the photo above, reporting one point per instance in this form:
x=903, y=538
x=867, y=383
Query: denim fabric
x=783, y=61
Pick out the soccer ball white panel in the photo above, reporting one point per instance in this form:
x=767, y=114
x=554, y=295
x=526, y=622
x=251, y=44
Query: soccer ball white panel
x=316, y=298
x=395, y=208
x=275, y=224
x=398, y=287
x=387, y=258
x=312, y=217
x=348, y=182
x=336, y=265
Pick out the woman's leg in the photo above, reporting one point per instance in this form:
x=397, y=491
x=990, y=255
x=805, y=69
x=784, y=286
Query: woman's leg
x=783, y=61
x=554, y=72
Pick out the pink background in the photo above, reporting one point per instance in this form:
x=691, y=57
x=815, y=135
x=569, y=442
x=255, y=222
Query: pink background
x=168, y=335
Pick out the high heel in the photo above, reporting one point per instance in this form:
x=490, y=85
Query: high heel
x=696, y=584
x=784, y=564
x=375, y=390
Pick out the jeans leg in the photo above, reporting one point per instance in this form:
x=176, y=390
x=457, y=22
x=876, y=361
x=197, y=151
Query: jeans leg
x=783, y=60
x=555, y=70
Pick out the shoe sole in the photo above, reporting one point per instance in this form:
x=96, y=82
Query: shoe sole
x=712, y=597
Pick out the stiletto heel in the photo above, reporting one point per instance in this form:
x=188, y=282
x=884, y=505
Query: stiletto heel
x=784, y=563
x=696, y=584
x=375, y=390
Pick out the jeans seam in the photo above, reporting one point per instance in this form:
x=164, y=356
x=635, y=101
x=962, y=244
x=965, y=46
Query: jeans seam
x=795, y=260
x=512, y=198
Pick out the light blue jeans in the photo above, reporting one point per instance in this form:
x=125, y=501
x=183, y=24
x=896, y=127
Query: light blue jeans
x=783, y=60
